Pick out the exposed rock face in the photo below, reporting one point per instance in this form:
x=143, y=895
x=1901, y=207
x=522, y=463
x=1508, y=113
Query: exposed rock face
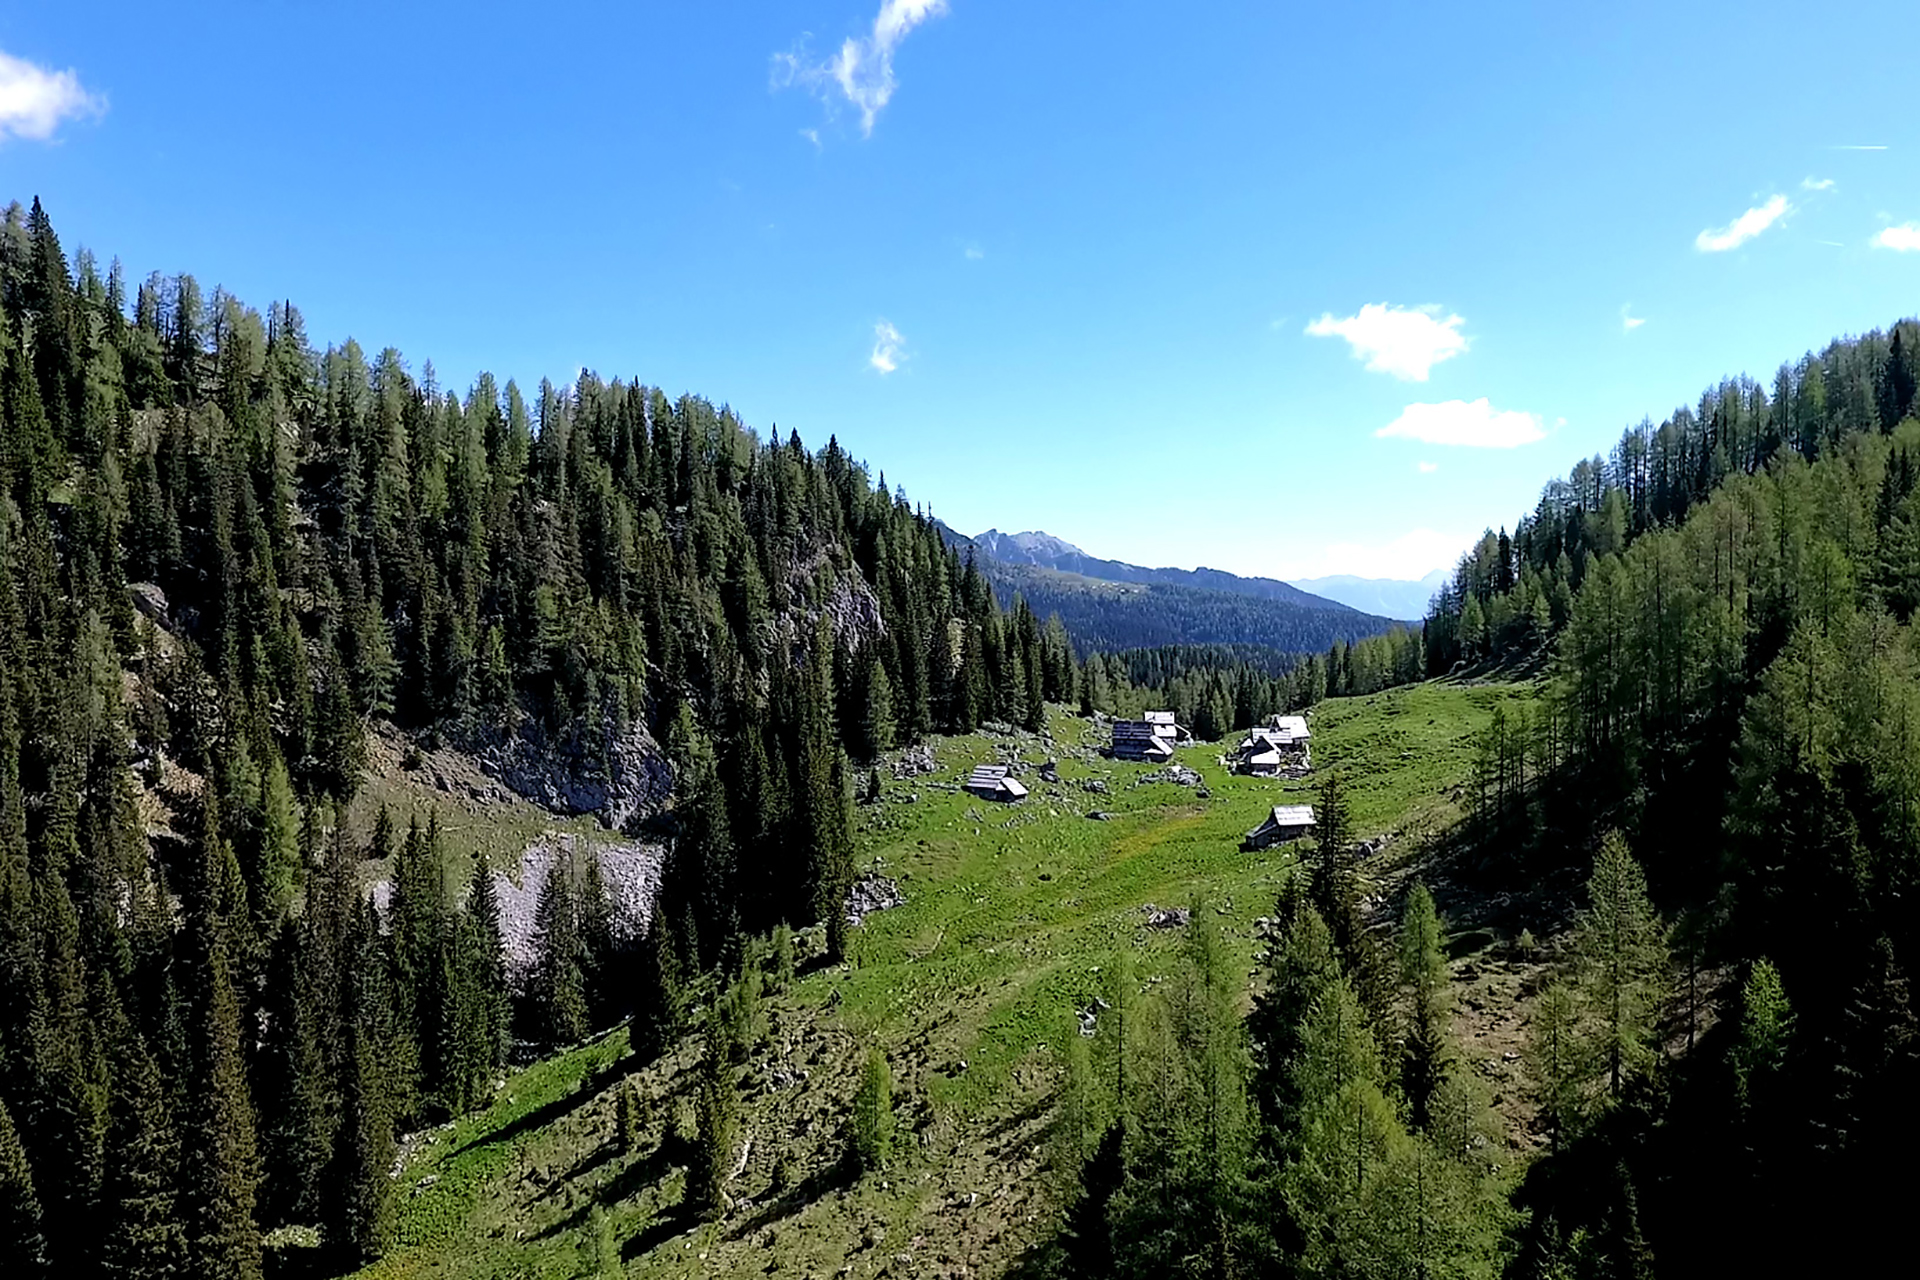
x=621, y=778
x=851, y=608
x=150, y=600
x=631, y=870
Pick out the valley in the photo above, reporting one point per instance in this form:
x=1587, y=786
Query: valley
x=972, y=990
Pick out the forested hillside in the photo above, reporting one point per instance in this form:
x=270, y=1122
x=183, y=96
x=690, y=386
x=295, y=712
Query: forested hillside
x=1726, y=606
x=223, y=554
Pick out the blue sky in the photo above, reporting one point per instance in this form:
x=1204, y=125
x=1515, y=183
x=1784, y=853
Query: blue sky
x=1154, y=278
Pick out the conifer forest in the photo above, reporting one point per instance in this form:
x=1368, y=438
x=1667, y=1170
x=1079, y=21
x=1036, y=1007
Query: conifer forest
x=236, y=556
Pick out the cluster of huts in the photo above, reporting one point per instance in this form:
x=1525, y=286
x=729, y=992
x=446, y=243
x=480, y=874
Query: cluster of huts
x=1152, y=737
x=1282, y=747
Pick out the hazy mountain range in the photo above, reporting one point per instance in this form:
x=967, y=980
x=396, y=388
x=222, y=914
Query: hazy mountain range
x=1381, y=597
x=1405, y=598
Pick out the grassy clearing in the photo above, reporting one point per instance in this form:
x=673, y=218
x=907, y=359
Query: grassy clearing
x=970, y=988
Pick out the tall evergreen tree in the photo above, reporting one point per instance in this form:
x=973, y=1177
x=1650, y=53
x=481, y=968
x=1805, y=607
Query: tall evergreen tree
x=22, y=1243
x=224, y=1174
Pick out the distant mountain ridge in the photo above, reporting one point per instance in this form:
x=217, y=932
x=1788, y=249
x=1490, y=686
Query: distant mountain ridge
x=1110, y=604
x=1048, y=552
x=1406, y=598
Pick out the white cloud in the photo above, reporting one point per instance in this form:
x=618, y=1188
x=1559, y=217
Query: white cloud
x=974, y=253
x=1629, y=321
x=813, y=136
x=1743, y=228
x=1904, y=238
x=1816, y=184
x=1857, y=148
x=889, y=348
x=1427, y=468
x=34, y=100
x=862, y=72
x=1472, y=423
x=1403, y=341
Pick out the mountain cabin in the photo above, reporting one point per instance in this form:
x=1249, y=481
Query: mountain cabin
x=1137, y=740
x=991, y=782
x=1287, y=822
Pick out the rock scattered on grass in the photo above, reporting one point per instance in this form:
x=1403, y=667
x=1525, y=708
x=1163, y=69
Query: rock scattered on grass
x=870, y=893
x=1166, y=917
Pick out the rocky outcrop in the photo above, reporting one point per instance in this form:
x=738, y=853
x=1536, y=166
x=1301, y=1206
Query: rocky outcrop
x=622, y=778
x=631, y=871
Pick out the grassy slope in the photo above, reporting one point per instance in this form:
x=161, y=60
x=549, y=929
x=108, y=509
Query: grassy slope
x=1010, y=913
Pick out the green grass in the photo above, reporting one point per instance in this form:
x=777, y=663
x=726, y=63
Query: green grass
x=1010, y=915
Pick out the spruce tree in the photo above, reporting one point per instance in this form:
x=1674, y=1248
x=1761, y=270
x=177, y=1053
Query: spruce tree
x=223, y=1174
x=872, y=1129
x=877, y=722
x=21, y=1243
x=489, y=958
x=657, y=990
x=1428, y=1006
x=357, y=1205
x=143, y=1236
x=713, y=1155
x=559, y=1002
x=1622, y=963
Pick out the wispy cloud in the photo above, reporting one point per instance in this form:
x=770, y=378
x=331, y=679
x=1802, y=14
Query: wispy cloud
x=1904, y=238
x=1858, y=147
x=1474, y=424
x=889, y=348
x=1743, y=228
x=862, y=72
x=1816, y=184
x=813, y=136
x=1403, y=341
x=1629, y=321
x=1427, y=468
x=973, y=253
x=35, y=100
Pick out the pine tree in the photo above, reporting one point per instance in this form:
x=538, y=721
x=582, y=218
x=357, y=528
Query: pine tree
x=1622, y=963
x=872, y=1145
x=559, y=1002
x=223, y=1174
x=143, y=1235
x=876, y=722
x=657, y=990
x=628, y=1120
x=357, y=1207
x=598, y=945
x=21, y=1242
x=714, y=1152
x=489, y=960
x=1560, y=1062
x=359, y=1223
x=1423, y=977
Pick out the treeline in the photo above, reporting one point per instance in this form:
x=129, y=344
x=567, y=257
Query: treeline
x=1108, y=616
x=1217, y=689
x=1734, y=682
x=224, y=553
x=1514, y=591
